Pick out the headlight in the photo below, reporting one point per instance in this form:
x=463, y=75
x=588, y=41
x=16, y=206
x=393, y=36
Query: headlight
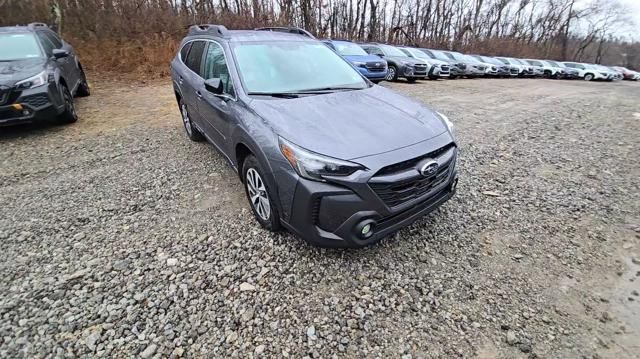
x=35, y=81
x=359, y=64
x=314, y=166
x=446, y=122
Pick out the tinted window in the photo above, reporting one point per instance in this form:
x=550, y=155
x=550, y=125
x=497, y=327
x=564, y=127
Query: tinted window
x=185, y=51
x=55, y=40
x=215, y=66
x=18, y=46
x=194, y=60
x=46, y=44
x=348, y=49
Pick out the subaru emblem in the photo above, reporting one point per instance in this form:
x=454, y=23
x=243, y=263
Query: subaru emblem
x=429, y=169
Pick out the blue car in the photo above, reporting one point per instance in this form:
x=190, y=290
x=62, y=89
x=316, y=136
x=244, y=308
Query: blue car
x=372, y=67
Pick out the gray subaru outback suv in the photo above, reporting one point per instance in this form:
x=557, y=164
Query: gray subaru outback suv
x=334, y=158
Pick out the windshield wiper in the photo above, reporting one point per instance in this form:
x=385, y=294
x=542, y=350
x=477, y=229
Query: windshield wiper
x=327, y=89
x=275, y=94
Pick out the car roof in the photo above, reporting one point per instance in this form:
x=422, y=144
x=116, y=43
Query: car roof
x=253, y=35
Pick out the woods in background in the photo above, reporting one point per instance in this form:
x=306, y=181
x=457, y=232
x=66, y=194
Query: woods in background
x=140, y=35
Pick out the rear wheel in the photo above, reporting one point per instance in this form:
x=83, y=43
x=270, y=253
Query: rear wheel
x=83, y=89
x=392, y=75
x=192, y=131
x=260, y=195
x=588, y=77
x=69, y=114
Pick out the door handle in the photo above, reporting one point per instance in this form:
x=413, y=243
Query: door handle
x=180, y=80
x=199, y=95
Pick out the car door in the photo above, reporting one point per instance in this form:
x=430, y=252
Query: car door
x=189, y=79
x=217, y=109
x=72, y=64
x=65, y=64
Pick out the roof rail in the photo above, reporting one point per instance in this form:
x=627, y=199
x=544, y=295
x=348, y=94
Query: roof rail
x=215, y=30
x=37, y=24
x=291, y=30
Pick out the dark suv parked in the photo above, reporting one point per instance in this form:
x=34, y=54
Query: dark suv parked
x=334, y=158
x=39, y=75
x=400, y=65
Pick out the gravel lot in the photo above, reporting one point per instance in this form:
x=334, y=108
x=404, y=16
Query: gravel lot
x=119, y=237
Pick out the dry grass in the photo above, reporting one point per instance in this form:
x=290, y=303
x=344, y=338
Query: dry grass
x=141, y=58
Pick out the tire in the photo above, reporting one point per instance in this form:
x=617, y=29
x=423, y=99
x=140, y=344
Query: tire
x=192, y=132
x=83, y=90
x=259, y=195
x=411, y=80
x=392, y=75
x=376, y=81
x=588, y=77
x=69, y=114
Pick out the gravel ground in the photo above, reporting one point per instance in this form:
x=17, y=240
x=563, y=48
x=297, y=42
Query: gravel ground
x=119, y=237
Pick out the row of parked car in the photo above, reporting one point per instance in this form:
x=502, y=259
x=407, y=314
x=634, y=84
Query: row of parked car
x=380, y=62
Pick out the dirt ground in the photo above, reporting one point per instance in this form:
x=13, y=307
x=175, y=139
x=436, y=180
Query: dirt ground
x=120, y=237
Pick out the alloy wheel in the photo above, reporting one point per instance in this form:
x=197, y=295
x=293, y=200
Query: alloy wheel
x=258, y=194
x=186, y=119
x=68, y=102
x=392, y=74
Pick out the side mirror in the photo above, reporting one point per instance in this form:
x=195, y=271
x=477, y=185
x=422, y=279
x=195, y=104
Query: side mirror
x=59, y=53
x=214, y=86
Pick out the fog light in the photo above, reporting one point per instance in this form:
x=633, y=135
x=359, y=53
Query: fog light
x=365, y=229
x=17, y=106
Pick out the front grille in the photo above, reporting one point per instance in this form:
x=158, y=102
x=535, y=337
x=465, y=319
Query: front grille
x=481, y=68
x=38, y=100
x=413, y=186
x=445, y=68
x=420, y=69
x=514, y=71
x=376, y=66
x=462, y=66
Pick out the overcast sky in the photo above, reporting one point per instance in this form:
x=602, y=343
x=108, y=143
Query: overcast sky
x=634, y=6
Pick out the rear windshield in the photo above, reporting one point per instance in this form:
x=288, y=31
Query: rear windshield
x=19, y=46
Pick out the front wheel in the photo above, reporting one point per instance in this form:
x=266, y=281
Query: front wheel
x=260, y=195
x=192, y=131
x=69, y=114
x=588, y=77
x=392, y=75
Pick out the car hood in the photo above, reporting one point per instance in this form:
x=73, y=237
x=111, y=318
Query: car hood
x=436, y=62
x=404, y=59
x=14, y=71
x=352, y=124
x=364, y=58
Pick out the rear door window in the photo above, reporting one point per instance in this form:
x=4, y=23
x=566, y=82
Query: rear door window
x=194, y=59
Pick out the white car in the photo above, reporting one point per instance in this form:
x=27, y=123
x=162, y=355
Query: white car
x=515, y=64
x=587, y=71
x=437, y=68
x=542, y=68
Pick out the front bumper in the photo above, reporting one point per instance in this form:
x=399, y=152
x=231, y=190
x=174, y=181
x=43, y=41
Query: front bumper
x=373, y=75
x=27, y=106
x=331, y=215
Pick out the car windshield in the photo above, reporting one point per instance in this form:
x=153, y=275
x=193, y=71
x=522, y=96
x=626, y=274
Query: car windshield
x=470, y=59
x=391, y=51
x=417, y=53
x=293, y=66
x=440, y=55
x=18, y=46
x=553, y=63
x=504, y=61
x=348, y=49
